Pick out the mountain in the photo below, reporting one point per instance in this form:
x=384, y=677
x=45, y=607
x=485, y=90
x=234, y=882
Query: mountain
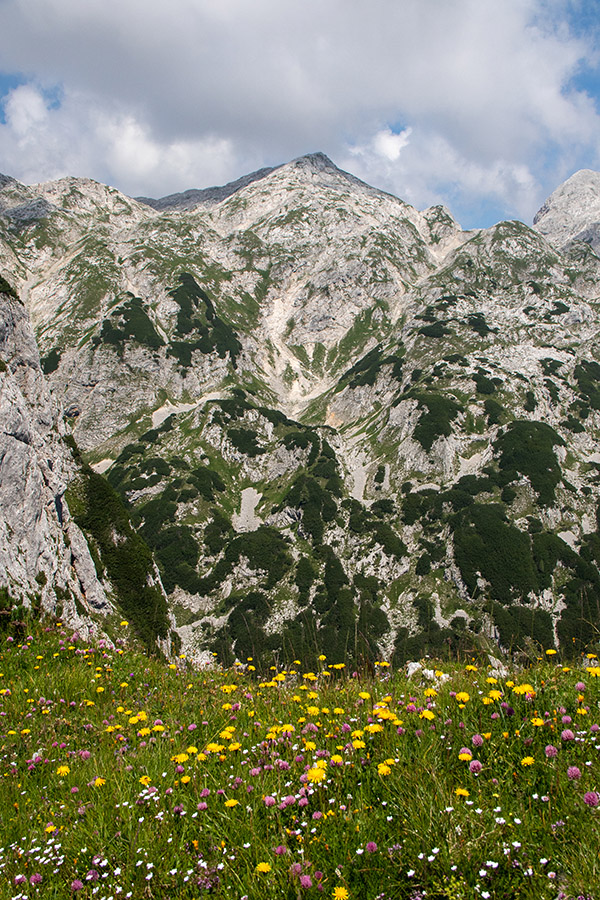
x=322, y=418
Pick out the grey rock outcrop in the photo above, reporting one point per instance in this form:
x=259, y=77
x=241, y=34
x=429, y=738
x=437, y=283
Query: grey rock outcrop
x=44, y=559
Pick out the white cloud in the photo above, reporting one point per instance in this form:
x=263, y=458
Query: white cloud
x=390, y=144
x=159, y=97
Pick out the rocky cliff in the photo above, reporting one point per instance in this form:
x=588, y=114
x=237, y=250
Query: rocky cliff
x=45, y=562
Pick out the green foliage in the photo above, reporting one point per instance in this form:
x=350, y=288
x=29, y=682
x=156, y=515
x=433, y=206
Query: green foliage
x=207, y=482
x=530, y=402
x=385, y=535
x=518, y=624
x=217, y=532
x=477, y=323
x=435, y=330
x=486, y=544
x=435, y=422
x=199, y=326
x=99, y=512
x=587, y=375
x=49, y=363
x=176, y=549
x=528, y=448
x=130, y=321
x=483, y=384
x=265, y=549
x=245, y=440
x=366, y=370
x=305, y=576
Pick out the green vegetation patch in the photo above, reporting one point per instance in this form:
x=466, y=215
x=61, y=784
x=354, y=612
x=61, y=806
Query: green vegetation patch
x=198, y=325
x=587, y=375
x=125, y=555
x=130, y=321
x=487, y=545
x=436, y=421
x=527, y=448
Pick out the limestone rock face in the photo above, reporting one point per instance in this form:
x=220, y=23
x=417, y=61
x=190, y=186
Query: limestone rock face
x=44, y=558
x=572, y=212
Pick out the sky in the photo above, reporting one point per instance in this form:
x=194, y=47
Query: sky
x=483, y=105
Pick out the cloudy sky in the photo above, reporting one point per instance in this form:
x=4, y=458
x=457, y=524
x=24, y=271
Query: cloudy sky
x=485, y=105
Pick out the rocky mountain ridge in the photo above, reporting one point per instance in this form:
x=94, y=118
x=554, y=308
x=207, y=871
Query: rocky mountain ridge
x=330, y=419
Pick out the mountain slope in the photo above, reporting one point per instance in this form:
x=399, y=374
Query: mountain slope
x=335, y=420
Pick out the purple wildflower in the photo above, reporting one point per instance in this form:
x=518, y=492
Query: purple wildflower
x=591, y=798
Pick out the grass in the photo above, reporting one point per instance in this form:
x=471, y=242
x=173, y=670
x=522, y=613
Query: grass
x=128, y=776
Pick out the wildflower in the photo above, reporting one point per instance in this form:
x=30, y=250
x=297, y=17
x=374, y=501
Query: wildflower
x=591, y=798
x=573, y=773
x=231, y=803
x=305, y=881
x=77, y=885
x=270, y=801
x=35, y=878
x=340, y=893
x=371, y=847
x=461, y=792
x=263, y=867
x=527, y=761
x=315, y=775
x=63, y=770
x=462, y=697
x=567, y=735
x=477, y=740
x=465, y=754
x=475, y=767
x=98, y=782
x=551, y=751
x=383, y=769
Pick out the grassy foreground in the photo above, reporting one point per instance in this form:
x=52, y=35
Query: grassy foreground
x=126, y=777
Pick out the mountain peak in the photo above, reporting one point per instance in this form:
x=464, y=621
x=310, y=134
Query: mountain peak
x=572, y=211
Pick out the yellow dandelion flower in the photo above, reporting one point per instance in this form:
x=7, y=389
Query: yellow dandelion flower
x=462, y=697
x=383, y=769
x=461, y=792
x=186, y=779
x=63, y=770
x=145, y=779
x=340, y=893
x=527, y=761
x=263, y=867
x=364, y=695
x=427, y=714
x=315, y=775
x=467, y=756
x=374, y=728
x=98, y=782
